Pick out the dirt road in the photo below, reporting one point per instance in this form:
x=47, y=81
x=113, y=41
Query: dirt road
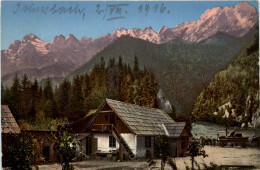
x=217, y=155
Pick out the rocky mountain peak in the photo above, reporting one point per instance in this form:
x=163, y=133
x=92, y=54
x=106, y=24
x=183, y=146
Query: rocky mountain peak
x=213, y=12
x=72, y=38
x=59, y=39
x=163, y=29
x=244, y=6
x=85, y=40
x=15, y=44
x=149, y=29
x=30, y=37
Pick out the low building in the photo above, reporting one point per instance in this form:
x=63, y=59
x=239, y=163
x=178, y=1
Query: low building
x=45, y=140
x=132, y=128
x=45, y=144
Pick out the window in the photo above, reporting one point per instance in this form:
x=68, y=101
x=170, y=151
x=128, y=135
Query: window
x=106, y=117
x=112, y=141
x=148, y=141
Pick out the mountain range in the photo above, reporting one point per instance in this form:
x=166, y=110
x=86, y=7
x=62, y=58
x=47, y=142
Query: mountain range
x=56, y=59
x=182, y=69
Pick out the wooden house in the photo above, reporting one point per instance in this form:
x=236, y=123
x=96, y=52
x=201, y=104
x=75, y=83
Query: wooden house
x=131, y=128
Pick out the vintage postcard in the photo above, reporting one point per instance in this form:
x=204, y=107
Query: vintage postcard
x=130, y=85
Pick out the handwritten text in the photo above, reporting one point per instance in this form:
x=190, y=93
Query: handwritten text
x=54, y=9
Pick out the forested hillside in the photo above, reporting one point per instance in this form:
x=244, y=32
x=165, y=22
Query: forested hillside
x=35, y=104
x=182, y=69
x=237, y=85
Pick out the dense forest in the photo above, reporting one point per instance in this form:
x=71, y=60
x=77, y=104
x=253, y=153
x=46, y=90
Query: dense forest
x=33, y=104
x=181, y=68
x=238, y=85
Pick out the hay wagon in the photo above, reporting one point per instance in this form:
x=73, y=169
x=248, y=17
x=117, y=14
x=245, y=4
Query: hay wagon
x=233, y=141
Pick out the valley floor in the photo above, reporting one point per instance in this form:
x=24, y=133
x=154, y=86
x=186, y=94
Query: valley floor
x=217, y=155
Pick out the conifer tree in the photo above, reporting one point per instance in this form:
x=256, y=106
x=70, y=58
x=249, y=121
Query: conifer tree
x=136, y=66
x=127, y=89
x=48, y=102
x=77, y=99
x=26, y=100
x=14, y=97
x=63, y=98
x=35, y=97
x=86, y=86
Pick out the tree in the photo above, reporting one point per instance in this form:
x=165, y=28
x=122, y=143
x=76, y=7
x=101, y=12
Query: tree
x=47, y=90
x=64, y=147
x=162, y=149
x=14, y=97
x=48, y=102
x=126, y=88
x=63, y=98
x=86, y=86
x=77, y=99
x=26, y=97
x=20, y=152
x=196, y=149
x=255, y=46
x=136, y=66
x=35, y=98
x=136, y=92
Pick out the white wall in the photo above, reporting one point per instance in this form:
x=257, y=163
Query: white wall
x=103, y=142
x=130, y=140
x=136, y=143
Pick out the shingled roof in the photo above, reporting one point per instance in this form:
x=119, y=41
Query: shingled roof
x=174, y=130
x=8, y=123
x=141, y=120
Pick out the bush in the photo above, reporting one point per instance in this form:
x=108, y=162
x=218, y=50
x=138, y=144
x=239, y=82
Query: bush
x=19, y=151
x=64, y=147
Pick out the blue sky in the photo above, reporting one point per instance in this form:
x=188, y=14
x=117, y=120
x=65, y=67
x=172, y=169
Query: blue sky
x=46, y=20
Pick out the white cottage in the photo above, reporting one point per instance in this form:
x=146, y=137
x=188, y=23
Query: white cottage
x=132, y=128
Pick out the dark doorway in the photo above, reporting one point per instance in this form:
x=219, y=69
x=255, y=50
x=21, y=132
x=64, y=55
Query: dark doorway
x=46, y=153
x=91, y=145
x=173, y=149
x=88, y=145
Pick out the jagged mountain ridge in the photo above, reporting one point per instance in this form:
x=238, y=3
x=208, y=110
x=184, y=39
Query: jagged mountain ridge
x=39, y=59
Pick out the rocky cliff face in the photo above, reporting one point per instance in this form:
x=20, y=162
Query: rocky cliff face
x=256, y=118
x=163, y=102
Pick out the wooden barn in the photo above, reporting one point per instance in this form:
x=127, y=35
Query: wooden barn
x=10, y=127
x=45, y=142
x=132, y=128
x=8, y=123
